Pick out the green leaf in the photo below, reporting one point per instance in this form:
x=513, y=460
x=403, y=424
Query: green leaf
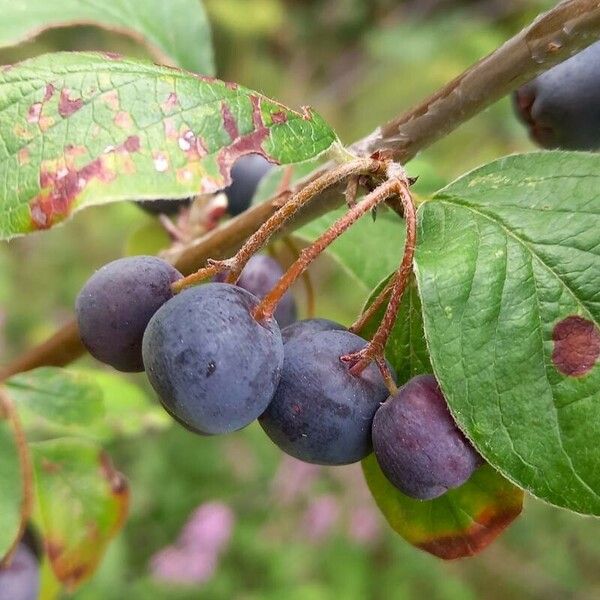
x=50, y=397
x=406, y=349
x=83, y=128
x=508, y=267
x=149, y=238
x=82, y=504
x=15, y=478
x=129, y=410
x=460, y=523
x=101, y=405
x=368, y=251
x=177, y=31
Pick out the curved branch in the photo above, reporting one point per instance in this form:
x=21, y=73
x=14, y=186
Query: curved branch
x=552, y=38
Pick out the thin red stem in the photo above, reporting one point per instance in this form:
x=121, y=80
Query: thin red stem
x=309, y=288
x=370, y=311
x=269, y=303
x=235, y=265
x=375, y=349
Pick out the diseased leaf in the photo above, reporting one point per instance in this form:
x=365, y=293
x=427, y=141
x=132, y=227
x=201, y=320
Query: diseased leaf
x=50, y=397
x=406, y=349
x=83, y=128
x=508, y=267
x=82, y=504
x=461, y=523
x=15, y=478
x=177, y=31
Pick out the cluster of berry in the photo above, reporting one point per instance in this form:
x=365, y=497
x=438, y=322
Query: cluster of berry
x=216, y=368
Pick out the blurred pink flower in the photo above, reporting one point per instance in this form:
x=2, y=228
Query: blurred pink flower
x=293, y=479
x=180, y=565
x=194, y=558
x=209, y=528
x=320, y=517
x=364, y=525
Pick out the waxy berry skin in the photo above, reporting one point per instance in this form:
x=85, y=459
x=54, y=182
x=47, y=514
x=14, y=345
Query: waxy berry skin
x=213, y=366
x=115, y=305
x=321, y=413
x=561, y=107
x=417, y=443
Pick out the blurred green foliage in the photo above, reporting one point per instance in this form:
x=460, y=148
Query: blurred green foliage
x=359, y=62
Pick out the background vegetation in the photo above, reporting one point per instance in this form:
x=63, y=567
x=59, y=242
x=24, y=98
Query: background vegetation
x=271, y=527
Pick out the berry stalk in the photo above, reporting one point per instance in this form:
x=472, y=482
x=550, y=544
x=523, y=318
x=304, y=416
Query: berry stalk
x=235, y=265
x=309, y=288
x=266, y=308
x=358, y=361
x=370, y=311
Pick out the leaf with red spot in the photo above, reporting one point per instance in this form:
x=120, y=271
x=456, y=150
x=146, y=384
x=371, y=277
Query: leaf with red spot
x=82, y=505
x=461, y=523
x=508, y=269
x=177, y=32
x=81, y=129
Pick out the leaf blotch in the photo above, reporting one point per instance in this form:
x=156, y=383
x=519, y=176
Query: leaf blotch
x=170, y=103
x=250, y=143
x=279, y=117
x=34, y=112
x=116, y=480
x=66, y=105
x=229, y=122
x=161, y=162
x=60, y=188
x=123, y=120
x=576, y=346
x=131, y=144
x=482, y=532
x=49, y=92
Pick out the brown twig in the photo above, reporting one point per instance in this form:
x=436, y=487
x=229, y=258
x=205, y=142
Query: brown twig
x=359, y=361
x=361, y=166
x=554, y=36
x=62, y=348
x=526, y=55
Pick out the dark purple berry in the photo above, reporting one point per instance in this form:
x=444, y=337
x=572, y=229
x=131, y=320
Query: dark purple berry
x=321, y=413
x=246, y=174
x=417, y=443
x=561, y=107
x=260, y=276
x=164, y=207
x=20, y=579
x=115, y=305
x=214, y=367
